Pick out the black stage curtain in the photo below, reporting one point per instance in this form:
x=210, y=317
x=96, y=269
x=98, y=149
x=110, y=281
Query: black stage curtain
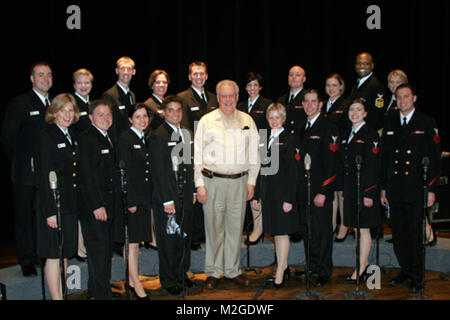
x=233, y=37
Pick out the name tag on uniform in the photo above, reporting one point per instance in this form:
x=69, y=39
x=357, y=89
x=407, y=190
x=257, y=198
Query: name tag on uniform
x=171, y=144
x=137, y=146
x=195, y=108
x=83, y=113
x=390, y=133
x=61, y=145
x=160, y=111
x=261, y=145
x=122, y=107
x=34, y=113
x=105, y=151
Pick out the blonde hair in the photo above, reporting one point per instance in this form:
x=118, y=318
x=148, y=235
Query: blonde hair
x=83, y=71
x=276, y=107
x=398, y=73
x=125, y=59
x=58, y=103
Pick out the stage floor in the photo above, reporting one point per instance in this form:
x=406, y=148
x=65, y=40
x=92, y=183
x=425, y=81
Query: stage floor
x=436, y=288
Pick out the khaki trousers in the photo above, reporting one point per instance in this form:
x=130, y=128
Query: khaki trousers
x=224, y=218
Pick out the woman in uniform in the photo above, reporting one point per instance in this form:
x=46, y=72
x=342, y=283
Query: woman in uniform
x=58, y=152
x=133, y=155
x=361, y=140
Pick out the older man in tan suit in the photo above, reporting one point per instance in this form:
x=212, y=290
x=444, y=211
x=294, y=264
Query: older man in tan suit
x=227, y=163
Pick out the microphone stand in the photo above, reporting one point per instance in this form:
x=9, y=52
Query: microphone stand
x=308, y=294
x=180, y=179
x=425, y=164
x=124, y=187
x=57, y=197
x=350, y=295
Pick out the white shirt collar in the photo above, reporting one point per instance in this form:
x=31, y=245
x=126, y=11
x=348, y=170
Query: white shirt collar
x=313, y=120
x=359, y=127
x=42, y=97
x=274, y=135
x=101, y=131
x=81, y=97
x=295, y=93
x=364, y=79
x=199, y=92
x=157, y=98
x=250, y=102
x=123, y=89
x=138, y=133
x=63, y=131
x=408, y=117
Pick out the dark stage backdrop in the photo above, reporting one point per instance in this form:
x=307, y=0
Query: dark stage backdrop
x=232, y=37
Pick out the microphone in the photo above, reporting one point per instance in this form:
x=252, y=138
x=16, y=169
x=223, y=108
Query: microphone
x=53, y=180
x=425, y=163
x=123, y=181
x=307, y=162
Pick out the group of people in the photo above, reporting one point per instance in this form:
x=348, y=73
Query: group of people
x=194, y=160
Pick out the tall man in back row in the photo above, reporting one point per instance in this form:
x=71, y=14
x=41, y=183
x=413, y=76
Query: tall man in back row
x=408, y=137
x=227, y=163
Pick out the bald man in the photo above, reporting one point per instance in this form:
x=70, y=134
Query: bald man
x=370, y=89
x=293, y=99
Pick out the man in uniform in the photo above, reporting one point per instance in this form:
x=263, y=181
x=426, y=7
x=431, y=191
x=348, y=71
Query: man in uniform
x=196, y=103
x=409, y=139
x=318, y=138
x=23, y=122
x=169, y=180
x=120, y=97
x=295, y=115
x=100, y=195
x=370, y=89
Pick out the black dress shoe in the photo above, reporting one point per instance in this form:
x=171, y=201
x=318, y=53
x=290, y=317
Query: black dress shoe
x=400, y=279
x=174, y=290
x=415, y=286
x=29, y=270
x=286, y=276
x=338, y=240
x=195, y=245
x=321, y=281
x=147, y=297
x=254, y=243
x=188, y=283
x=362, y=277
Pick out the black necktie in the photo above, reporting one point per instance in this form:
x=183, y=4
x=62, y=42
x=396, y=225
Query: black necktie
x=69, y=138
x=204, y=98
x=404, y=122
x=130, y=98
x=109, y=140
x=308, y=126
x=143, y=140
x=291, y=99
x=47, y=103
x=250, y=106
x=352, y=134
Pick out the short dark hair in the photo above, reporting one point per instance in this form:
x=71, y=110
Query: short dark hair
x=99, y=102
x=361, y=101
x=252, y=76
x=39, y=63
x=135, y=107
x=306, y=91
x=406, y=85
x=169, y=99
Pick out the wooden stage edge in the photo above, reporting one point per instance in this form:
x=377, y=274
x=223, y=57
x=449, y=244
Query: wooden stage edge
x=436, y=288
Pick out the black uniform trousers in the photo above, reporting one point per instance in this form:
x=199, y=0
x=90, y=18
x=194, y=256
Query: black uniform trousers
x=170, y=247
x=408, y=236
x=98, y=239
x=25, y=224
x=321, y=237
